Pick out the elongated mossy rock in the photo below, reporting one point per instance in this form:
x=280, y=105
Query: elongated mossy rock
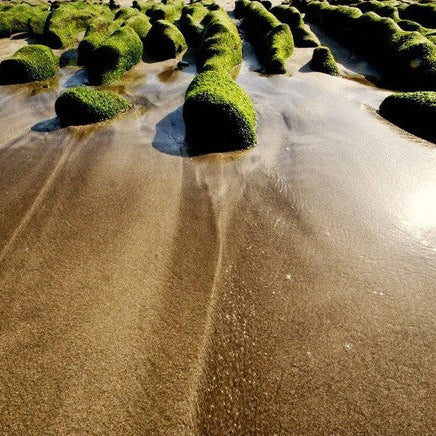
x=220, y=47
x=324, y=62
x=29, y=64
x=412, y=111
x=190, y=22
x=423, y=13
x=219, y=116
x=163, y=41
x=82, y=105
x=272, y=40
x=303, y=36
x=118, y=54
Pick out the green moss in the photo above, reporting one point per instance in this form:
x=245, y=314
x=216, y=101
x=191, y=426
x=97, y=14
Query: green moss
x=324, y=62
x=380, y=8
x=36, y=23
x=83, y=105
x=272, y=41
x=164, y=41
x=412, y=111
x=169, y=11
x=218, y=114
x=124, y=14
x=29, y=64
x=289, y=15
x=190, y=22
x=220, y=48
x=65, y=22
x=423, y=13
x=118, y=54
x=98, y=31
x=140, y=24
x=15, y=19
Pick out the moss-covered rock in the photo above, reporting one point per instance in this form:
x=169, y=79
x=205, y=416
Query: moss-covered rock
x=241, y=8
x=163, y=41
x=115, y=56
x=124, y=14
x=15, y=18
x=29, y=64
x=97, y=32
x=273, y=41
x=423, y=13
x=381, y=8
x=169, y=10
x=412, y=111
x=65, y=22
x=220, y=47
x=218, y=114
x=140, y=24
x=82, y=105
x=36, y=22
x=303, y=36
x=190, y=22
x=324, y=62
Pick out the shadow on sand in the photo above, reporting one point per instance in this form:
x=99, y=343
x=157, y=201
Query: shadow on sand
x=49, y=125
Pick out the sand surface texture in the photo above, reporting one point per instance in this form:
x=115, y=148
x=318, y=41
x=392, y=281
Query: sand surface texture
x=287, y=290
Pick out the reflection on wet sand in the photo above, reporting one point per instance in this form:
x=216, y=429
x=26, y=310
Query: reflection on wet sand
x=275, y=291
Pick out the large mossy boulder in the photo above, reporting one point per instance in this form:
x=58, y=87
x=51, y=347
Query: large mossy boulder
x=115, y=56
x=323, y=61
x=412, y=111
x=164, y=41
x=219, y=116
x=29, y=64
x=82, y=105
x=220, y=47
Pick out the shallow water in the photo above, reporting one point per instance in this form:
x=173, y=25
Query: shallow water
x=285, y=290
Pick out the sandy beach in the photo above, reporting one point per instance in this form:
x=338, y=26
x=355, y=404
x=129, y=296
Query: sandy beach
x=286, y=290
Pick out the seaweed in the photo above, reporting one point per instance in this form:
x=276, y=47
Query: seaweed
x=324, y=61
x=220, y=48
x=303, y=36
x=82, y=105
x=66, y=21
x=115, y=56
x=412, y=111
x=273, y=41
x=163, y=41
x=29, y=64
x=218, y=114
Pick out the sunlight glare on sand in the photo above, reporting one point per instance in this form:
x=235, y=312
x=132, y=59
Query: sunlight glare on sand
x=422, y=207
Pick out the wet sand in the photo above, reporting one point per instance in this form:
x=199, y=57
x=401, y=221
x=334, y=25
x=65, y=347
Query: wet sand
x=287, y=290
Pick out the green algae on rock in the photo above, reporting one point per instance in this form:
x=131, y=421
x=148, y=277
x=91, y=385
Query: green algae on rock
x=323, y=61
x=163, y=41
x=115, y=56
x=273, y=41
x=67, y=20
x=303, y=36
x=412, y=111
x=218, y=114
x=220, y=47
x=29, y=64
x=82, y=105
